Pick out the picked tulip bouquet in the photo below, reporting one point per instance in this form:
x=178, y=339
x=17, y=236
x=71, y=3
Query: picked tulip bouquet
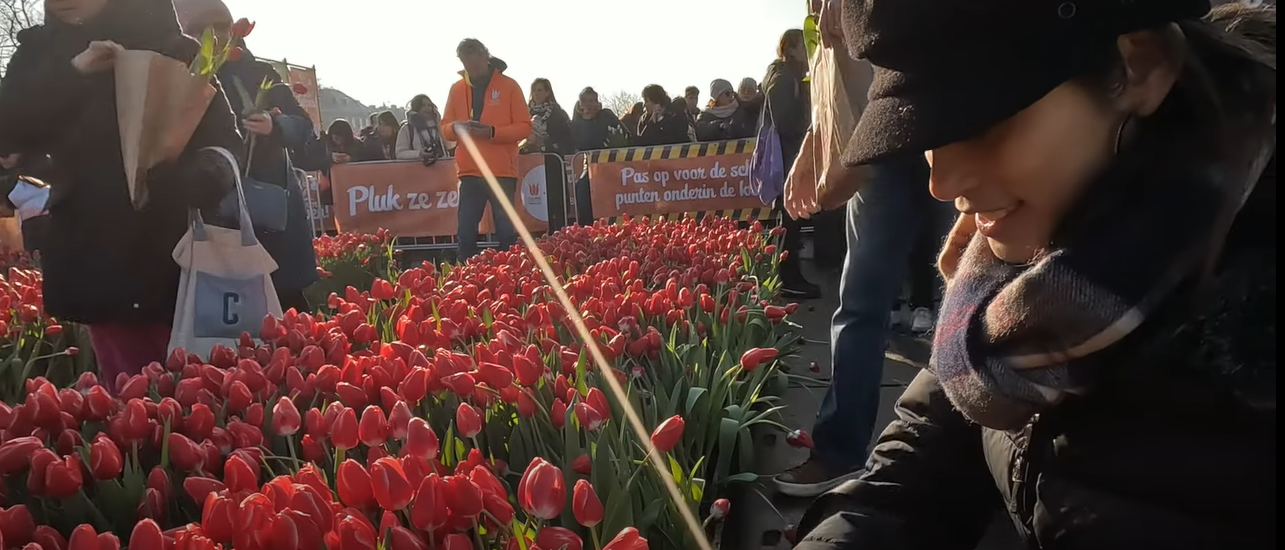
x=393, y=422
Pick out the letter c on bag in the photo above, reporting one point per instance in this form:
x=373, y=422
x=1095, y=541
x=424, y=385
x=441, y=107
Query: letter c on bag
x=230, y=299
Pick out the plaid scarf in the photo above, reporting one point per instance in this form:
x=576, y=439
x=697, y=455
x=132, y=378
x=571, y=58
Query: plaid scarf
x=1013, y=340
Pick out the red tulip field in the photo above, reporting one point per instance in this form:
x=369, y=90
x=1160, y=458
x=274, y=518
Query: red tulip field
x=424, y=407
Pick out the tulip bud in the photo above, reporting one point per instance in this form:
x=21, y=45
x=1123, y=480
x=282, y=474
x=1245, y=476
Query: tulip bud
x=668, y=434
x=585, y=504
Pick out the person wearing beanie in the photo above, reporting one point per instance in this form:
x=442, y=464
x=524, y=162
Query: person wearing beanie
x=278, y=131
x=1104, y=366
x=725, y=118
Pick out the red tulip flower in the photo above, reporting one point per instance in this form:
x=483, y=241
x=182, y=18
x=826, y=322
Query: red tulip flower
x=344, y=433
x=457, y=541
x=354, y=485
x=16, y=453
x=667, y=435
x=800, y=439
x=582, y=465
x=242, y=28
x=146, y=536
x=755, y=357
x=285, y=418
x=462, y=496
x=585, y=504
x=105, y=460
x=63, y=478
x=559, y=537
x=17, y=525
x=186, y=455
x=356, y=533
x=542, y=491
x=591, y=418
x=467, y=421
x=421, y=440
x=719, y=509
x=388, y=480
x=628, y=539
x=429, y=510
x=373, y=429
x=85, y=538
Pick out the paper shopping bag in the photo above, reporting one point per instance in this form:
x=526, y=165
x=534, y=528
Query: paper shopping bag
x=159, y=103
x=226, y=285
x=839, y=85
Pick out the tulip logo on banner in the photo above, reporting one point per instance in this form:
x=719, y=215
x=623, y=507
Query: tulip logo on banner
x=535, y=193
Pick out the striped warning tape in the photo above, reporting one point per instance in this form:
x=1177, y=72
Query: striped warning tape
x=739, y=214
x=679, y=151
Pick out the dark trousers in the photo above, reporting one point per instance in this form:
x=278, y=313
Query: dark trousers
x=475, y=194
x=33, y=233
x=584, y=202
x=924, y=280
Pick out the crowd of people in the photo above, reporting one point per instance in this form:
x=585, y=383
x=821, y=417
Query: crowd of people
x=659, y=119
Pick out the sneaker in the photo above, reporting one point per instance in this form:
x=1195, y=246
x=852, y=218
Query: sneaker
x=800, y=289
x=923, y=321
x=812, y=478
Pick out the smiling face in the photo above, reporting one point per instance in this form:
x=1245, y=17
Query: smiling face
x=74, y=12
x=1021, y=176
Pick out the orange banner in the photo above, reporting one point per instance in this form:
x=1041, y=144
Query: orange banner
x=672, y=185
x=413, y=200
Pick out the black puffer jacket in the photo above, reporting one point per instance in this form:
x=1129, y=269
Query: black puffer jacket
x=789, y=104
x=1176, y=451
x=104, y=261
x=741, y=123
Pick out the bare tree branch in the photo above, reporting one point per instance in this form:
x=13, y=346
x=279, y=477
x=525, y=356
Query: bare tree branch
x=620, y=102
x=16, y=15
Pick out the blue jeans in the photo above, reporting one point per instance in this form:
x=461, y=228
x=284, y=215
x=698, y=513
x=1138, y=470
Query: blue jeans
x=883, y=223
x=475, y=194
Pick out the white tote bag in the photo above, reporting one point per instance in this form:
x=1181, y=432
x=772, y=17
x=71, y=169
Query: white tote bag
x=226, y=283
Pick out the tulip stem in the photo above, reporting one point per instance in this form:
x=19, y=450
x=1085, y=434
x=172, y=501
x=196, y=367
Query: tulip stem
x=290, y=447
x=593, y=534
x=477, y=534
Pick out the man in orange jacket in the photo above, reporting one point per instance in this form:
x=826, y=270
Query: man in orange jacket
x=488, y=106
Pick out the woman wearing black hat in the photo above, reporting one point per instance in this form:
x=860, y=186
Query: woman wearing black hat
x=1104, y=367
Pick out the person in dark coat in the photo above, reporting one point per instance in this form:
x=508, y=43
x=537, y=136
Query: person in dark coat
x=726, y=118
x=664, y=121
x=629, y=121
x=593, y=127
x=1104, y=368
x=550, y=125
x=277, y=130
x=789, y=107
x=381, y=143
x=107, y=264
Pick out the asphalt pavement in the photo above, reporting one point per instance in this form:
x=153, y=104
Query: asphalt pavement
x=768, y=515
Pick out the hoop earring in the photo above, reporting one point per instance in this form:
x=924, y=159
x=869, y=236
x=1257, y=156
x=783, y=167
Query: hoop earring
x=1119, y=134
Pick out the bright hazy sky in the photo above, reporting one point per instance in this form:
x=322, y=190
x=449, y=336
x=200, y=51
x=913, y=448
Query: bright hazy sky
x=389, y=50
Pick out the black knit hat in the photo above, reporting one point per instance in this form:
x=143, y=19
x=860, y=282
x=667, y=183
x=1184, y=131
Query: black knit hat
x=947, y=70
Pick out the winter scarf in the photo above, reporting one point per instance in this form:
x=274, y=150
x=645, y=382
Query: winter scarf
x=1014, y=340
x=540, y=113
x=428, y=129
x=724, y=111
